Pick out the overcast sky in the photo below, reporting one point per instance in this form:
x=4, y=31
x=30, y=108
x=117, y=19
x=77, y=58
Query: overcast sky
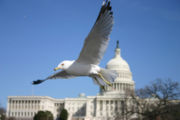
x=35, y=35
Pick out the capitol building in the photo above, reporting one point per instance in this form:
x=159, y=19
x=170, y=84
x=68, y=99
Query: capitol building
x=107, y=105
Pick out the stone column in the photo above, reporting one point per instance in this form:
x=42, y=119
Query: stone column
x=119, y=88
x=104, y=107
x=8, y=105
x=88, y=111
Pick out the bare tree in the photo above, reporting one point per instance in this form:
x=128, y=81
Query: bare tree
x=155, y=101
x=2, y=113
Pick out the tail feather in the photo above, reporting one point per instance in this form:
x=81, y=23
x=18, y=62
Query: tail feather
x=98, y=81
x=109, y=75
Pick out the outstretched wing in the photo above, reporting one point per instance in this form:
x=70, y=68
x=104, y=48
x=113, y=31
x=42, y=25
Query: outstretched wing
x=61, y=74
x=96, y=42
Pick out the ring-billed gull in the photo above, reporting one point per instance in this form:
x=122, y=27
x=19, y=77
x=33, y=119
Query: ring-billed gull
x=93, y=50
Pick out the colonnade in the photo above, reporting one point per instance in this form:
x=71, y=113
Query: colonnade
x=23, y=108
x=120, y=87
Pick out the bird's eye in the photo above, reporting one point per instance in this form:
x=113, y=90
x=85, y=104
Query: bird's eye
x=62, y=64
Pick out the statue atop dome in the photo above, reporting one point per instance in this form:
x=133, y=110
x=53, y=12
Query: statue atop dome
x=117, y=44
x=117, y=50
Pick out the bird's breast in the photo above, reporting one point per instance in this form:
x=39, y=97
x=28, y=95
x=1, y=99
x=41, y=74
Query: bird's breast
x=79, y=69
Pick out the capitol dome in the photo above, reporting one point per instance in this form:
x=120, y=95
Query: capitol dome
x=124, y=80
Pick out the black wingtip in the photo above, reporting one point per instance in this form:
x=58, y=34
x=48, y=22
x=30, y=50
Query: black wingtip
x=110, y=8
x=109, y=2
x=37, y=82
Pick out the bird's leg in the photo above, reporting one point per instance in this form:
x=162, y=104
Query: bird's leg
x=107, y=82
x=101, y=86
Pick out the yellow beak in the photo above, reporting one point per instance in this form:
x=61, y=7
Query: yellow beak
x=57, y=68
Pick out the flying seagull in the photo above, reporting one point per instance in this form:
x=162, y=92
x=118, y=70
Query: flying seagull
x=92, y=52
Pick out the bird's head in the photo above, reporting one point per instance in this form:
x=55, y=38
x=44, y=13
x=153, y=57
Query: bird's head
x=64, y=65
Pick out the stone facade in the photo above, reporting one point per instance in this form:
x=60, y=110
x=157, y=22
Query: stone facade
x=107, y=105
